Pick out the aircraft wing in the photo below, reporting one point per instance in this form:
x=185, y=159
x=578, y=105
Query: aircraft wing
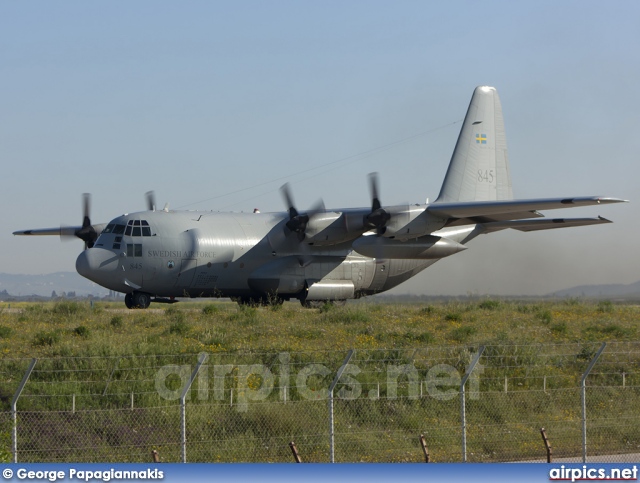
x=497, y=211
x=58, y=231
x=546, y=224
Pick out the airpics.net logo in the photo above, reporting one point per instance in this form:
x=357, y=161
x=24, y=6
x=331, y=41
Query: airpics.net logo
x=256, y=382
x=585, y=473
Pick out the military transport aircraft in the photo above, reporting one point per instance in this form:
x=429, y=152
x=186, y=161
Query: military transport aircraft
x=319, y=255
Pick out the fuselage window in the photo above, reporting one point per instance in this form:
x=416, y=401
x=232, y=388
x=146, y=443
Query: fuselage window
x=109, y=228
x=134, y=250
x=118, y=230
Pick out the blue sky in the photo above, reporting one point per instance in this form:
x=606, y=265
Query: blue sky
x=196, y=100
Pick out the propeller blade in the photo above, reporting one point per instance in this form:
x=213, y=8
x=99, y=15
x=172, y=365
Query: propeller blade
x=86, y=210
x=87, y=233
x=297, y=222
x=151, y=200
x=318, y=207
x=373, y=189
x=285, y=190
x=379, y=217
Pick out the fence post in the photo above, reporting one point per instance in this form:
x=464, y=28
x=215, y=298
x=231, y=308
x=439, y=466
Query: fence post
x=584, y=400
x=331, y=388
x=547, y=445
x=14, y=410
x=294, y=450
x=463, y=415
x=423, y=443
x=183, y=411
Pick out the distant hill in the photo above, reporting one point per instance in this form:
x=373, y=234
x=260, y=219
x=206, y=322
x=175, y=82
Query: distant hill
x=615, y=290
x=44, y=285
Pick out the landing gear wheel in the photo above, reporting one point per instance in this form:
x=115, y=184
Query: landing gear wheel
x=141, y=300
x=128, y=300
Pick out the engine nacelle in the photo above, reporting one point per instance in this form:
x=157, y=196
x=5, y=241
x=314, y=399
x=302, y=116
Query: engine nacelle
x=411, y=221
x=424, y=248
x=332, y=228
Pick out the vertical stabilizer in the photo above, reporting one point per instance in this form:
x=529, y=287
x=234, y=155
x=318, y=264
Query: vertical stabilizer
x=479, y=167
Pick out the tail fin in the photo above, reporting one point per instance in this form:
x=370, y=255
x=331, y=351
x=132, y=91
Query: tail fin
x=479, y=167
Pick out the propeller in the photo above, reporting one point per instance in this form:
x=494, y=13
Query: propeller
x=379, y=217
x=151, y=200
x=86, y=232
x=297, y=222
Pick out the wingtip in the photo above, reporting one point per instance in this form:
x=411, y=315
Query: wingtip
x=612, y=200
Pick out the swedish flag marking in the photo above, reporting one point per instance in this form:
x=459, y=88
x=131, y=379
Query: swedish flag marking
x=481, y=138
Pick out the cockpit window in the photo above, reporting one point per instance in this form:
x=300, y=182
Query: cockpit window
x=113, y=228
x=137, y=228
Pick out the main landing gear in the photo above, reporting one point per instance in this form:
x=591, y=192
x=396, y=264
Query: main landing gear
x=137, y=300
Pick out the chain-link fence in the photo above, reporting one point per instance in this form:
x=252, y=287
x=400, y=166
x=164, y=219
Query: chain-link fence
x=250, y=406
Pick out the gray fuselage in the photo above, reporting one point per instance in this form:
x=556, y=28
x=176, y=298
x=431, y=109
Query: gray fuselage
x=209, y=254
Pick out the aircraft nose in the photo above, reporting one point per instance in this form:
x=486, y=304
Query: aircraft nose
x=90, y=263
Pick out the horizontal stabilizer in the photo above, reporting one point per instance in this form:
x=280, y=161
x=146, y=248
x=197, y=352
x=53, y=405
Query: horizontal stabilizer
x=476, y=209
x=545, y=224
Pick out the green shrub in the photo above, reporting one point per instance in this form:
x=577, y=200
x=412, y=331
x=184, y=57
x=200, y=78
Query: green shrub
x=326, y=307
x=614, y=331
x=544, y=316
x=572, y=302
x=67, y=308
x=82, y=331
x=116, y=321
x=605, y=306
x=44, y=338
x=526, y=309
x=172, y=311
x=424, y=338
x=210, y=309
x=463, y=333
x=560, y=328
x=350, y=316
x=489, y=304
x=179, y=327
x=5, y=332
x=453, y=317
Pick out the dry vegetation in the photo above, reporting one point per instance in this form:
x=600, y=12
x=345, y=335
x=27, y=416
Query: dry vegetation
x=66, y=329
x=512, y=331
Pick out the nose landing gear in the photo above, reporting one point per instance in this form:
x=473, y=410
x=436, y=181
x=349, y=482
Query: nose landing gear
x=137, y=300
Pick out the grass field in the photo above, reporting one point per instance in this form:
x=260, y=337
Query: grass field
x=527, y=343
x=65, y=329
